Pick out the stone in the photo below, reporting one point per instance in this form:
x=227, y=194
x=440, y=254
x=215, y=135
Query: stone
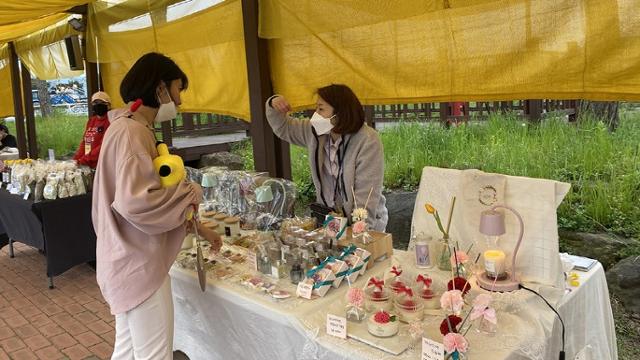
x=400, y=206
x=602, y=247
x=624, y=282
x=231, y=161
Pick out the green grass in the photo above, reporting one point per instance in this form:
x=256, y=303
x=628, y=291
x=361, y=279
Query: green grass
x=60, y=132
x=602, y=167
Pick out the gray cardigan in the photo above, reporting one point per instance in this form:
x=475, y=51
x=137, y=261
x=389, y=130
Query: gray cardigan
x=362, y=169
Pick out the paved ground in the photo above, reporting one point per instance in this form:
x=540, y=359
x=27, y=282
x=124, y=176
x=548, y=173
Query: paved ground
x=71, y=321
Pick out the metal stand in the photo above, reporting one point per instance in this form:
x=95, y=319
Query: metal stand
x=11, y=255
x=51, y=282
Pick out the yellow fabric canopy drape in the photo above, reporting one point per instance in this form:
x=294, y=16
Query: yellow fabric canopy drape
x=45, y=54
x=208, y=45
x=422, y=51
x=6, y=94
x=17, y=11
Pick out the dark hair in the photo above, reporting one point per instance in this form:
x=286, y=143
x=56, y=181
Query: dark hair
x=146, y=74
x=346, y=107
x=4, y=128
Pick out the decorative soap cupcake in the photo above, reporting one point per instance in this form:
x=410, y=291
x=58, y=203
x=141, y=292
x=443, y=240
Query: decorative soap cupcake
x=377, y=296
x=410, y=308
x=383, y=324
x=431, y=299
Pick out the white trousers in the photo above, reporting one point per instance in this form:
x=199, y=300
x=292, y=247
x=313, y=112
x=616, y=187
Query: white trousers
x=146, y=332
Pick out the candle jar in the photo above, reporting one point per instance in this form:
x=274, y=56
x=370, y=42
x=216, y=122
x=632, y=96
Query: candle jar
x=376, y=299
x=494, y=264
x=232, y=226
x=430, y=296
x=422, y=247
x=410, y=308
x=397, y=283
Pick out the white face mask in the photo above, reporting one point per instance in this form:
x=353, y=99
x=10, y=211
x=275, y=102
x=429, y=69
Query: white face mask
x=322, y=124
x=166, y=112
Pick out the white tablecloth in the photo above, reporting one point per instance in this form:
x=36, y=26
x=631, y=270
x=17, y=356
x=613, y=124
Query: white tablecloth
x=231, y=322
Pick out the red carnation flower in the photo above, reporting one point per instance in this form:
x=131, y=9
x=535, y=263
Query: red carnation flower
x=382, y=317
x=444, y=326
x=460, y=284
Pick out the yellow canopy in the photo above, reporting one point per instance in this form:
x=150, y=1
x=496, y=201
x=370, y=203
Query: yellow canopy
x=423, y=51
x=18, y=11
x=208, y=45
x=6, y=95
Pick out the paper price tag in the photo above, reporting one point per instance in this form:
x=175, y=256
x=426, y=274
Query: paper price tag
x=432, y=350
x=252, y=259
x=337, y=326
x=26, y=195
x=304, y=290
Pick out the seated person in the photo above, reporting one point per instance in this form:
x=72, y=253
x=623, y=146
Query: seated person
x=6, y=139
x=97, y=125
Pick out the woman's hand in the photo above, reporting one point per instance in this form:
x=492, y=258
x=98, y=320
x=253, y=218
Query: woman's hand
x=281, y=104
x=211, y=236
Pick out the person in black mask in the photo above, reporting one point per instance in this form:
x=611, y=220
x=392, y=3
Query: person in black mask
x=89, y=148
x=6, y=139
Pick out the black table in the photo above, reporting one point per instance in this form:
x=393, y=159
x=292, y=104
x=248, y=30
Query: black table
x=61, y=228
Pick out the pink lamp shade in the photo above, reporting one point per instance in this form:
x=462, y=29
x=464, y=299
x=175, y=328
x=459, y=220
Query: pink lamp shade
x=492, y=223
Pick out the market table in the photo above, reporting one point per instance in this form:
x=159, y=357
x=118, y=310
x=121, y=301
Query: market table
x=9, y=155
x=231, y=321
x=61, y=228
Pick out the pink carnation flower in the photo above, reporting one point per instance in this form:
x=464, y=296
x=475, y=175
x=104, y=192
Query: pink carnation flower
x=355, y=297
x=452, y=300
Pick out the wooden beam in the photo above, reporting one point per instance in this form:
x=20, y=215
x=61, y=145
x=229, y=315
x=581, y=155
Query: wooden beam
x=533, y=109
x=368, y=116
x=79, y=9
x=29, y=112
x=269, y=153
x=17, y=101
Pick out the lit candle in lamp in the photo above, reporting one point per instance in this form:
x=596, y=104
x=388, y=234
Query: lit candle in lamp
x=494, y=264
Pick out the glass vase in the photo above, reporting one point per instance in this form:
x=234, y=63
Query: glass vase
x=443, y=254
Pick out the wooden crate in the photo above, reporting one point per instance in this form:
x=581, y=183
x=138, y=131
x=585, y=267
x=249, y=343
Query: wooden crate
x=381, y=245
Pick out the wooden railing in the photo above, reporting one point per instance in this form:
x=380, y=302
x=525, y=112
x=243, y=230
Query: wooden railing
x=197, y=124
x=463, y=111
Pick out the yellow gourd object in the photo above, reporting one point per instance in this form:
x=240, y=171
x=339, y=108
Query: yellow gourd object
x=169, y=167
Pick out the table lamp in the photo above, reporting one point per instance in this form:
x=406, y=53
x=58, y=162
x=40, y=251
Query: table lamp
x=497, y=277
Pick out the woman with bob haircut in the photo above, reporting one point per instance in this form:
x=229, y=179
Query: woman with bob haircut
x=140, y=225
x=345, y=155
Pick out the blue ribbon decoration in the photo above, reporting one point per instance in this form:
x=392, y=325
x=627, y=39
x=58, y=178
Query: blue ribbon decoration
x=347, y=251
x=317, y=285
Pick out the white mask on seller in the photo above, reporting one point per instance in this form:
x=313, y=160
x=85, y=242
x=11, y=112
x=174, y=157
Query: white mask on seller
x=166, y=112
x=322, y=124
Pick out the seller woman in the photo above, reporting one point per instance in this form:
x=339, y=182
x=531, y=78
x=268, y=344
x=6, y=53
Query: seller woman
x=140, y=225
x=345, y=155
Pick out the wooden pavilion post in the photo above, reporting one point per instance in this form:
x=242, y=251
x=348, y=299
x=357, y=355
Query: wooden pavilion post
x=17, y=101
x=29, y=112
x=270, y=153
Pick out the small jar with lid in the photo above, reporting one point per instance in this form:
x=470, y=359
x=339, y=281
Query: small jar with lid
x=219, y=217
x=232, y=226
x=213, y=225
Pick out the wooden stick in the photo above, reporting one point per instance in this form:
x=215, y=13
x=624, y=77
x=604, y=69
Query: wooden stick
x=453, y=205
x=355, y=202
x=368, y=197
